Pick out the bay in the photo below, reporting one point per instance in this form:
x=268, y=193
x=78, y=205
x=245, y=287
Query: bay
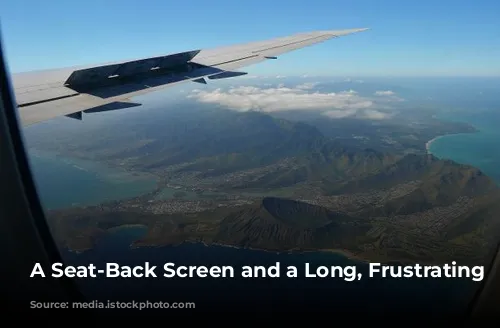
x=478, y=149
x=65, y=182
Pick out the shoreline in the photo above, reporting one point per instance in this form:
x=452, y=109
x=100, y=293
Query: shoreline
x=90, y=164
x=345, y=254
x=429, y=143
x=342, y=252
x=127, y=226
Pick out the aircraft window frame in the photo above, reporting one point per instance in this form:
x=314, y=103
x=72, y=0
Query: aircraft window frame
x=25, y=234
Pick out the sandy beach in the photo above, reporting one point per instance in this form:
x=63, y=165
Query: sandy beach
x=429, y=143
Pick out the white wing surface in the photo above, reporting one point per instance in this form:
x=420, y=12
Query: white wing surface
x=72, y=91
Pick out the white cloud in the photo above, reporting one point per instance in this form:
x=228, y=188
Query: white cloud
x=349, y=80
x=373, y=114
x=388, y=95
x=385, y=93
x=340, y=113
x=307, y=85
x=370, y=114
x=300, y=97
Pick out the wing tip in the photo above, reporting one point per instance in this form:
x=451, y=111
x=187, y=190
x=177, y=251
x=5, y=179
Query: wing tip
x=351, y=31
x=344, y=32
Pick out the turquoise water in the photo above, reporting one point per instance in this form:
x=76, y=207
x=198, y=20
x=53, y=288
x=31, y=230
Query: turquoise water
x=64, y=182
x=479, y=149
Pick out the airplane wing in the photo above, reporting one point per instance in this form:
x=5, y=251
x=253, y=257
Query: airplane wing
x=70, y=92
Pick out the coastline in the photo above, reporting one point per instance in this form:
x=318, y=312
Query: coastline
x=429, y=143
x=104, y=168
x=349, y=255
x=127, y=226
x=342, y=252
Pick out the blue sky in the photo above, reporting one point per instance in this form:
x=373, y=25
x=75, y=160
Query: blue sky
x=407, y=38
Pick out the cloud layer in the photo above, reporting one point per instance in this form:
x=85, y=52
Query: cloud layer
x=300, y=97
x=384, y=93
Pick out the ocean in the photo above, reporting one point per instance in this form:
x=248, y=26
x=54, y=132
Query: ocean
x=477, y=149
x=65, y=182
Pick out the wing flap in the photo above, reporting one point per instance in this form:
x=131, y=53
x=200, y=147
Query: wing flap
x=226, y=74
x=85, y=80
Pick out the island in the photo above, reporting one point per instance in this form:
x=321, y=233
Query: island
x=252, y=180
